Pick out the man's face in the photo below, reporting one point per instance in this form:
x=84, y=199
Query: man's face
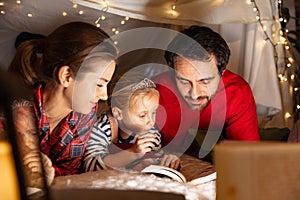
x=196, y=81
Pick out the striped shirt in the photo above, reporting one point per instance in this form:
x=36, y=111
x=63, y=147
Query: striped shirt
x=98, y=145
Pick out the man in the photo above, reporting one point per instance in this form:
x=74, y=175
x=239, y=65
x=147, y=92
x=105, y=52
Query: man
x=200, y=93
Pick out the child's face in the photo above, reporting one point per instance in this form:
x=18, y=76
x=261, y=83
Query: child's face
x=140, y=116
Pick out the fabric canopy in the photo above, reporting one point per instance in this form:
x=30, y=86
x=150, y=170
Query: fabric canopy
x=185, y=12
x=251, y=56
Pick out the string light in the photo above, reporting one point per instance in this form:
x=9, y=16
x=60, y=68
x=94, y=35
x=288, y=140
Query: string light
x=287, y=115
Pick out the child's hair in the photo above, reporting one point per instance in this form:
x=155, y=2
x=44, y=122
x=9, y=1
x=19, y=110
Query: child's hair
x=127, y=89
x=39, y=60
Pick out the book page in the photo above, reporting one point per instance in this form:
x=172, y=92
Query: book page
x=164, y=171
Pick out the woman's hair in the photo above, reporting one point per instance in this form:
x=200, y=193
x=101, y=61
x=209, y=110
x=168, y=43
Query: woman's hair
x=127, y=89
x=39, y=60
x=199, y=43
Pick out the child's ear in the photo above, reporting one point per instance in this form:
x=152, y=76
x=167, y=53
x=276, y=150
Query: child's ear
x=65, y=76
x=117, y=113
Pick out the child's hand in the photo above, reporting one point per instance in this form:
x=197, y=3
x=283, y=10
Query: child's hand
x=170, y=160
x=144, y=143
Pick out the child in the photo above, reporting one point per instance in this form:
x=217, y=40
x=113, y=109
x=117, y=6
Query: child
x=130, y=121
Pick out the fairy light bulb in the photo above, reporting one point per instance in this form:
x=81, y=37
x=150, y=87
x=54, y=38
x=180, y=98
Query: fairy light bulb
x=64, y=13
x=75, y=5
x=291, y=60
x=29, y=15
x=298, y=106
x=287, y=115
x=80, y=12
x=292, y=76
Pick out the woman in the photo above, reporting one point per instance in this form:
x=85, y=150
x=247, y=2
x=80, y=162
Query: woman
x=70, y=70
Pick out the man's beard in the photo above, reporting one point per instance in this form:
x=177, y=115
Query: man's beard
x=201, y=106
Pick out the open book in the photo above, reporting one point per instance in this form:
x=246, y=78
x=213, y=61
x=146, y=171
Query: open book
x=163, y=171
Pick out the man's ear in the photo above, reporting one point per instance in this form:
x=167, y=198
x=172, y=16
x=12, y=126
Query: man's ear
x=117, y=113
x=65, y=76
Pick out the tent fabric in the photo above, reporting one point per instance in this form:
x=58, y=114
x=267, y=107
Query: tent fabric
x=251, y=57
x=186, y=12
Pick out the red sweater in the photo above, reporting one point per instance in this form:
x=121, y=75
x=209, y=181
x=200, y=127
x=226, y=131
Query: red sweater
x=232, y=111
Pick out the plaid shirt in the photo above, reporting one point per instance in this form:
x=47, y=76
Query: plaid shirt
x=68, y=142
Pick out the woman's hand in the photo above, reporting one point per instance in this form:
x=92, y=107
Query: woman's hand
x=170, y=160
x=33, y=161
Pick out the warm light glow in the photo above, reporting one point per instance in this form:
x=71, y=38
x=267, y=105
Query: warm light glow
x=292, y=76
x=80, y=12
x=174, y=7
x=103, y=17
x=1, y=3
x=289, y=65
x=115, y=42
x=113, y=29
x=287, y=47
x=291, y=59
x=64, y=13
x=18, y=2
x=29, y=15
x=9, y=182
x=298, y=106
x=116, y=32
x=257, y=17
x=98, y=25
x=123, y=22
x=126, y=18
x=287, y=115
x=265, y=28
x=2, y=12
x=75, y=5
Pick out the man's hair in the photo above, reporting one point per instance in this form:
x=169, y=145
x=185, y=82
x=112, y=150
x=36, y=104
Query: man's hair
x=199, y=43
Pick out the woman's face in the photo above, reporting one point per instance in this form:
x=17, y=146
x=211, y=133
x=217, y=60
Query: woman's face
x=91, y=84
x=102, y=82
